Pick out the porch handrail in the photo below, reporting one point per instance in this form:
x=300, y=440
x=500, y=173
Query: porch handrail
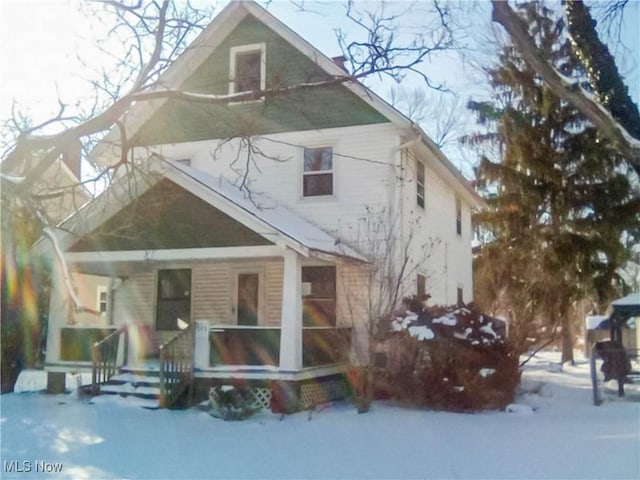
x=104, y=357
x=176, y=366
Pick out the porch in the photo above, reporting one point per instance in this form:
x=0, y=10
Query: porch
x=205, y=283
x=213, y=354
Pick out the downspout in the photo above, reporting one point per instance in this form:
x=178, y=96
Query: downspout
x=402, y=148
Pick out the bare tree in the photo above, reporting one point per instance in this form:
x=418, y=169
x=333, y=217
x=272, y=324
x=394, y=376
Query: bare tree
x=153, y=35
x=438, y=112
x=386, y=280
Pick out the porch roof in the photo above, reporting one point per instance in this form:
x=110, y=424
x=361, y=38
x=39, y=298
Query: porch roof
x=276, y=223
x=268, y=210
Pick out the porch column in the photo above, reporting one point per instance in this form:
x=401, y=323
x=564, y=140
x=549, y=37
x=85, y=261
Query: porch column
x=202, y=346
x=291, y=322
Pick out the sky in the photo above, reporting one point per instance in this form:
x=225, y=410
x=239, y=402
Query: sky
x=41, y=40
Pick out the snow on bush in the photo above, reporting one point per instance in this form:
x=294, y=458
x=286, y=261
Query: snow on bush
x=453, y=358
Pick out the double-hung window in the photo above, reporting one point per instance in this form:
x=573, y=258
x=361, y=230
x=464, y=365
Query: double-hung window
x=421, y=285
x=317, y=175
x=247, y=68
x=420, y=183
x=458, y=216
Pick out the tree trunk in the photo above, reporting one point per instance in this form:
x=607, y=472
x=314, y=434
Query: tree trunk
x=567, y=341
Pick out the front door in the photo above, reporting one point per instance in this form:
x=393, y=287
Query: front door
x=174, y=299
x=248, y=298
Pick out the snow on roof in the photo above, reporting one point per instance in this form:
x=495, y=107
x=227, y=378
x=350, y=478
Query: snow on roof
x=631, y=299
x=270, y=212
x=592, y=322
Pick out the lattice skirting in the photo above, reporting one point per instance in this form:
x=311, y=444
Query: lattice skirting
x=314, y=393
x=260, y=397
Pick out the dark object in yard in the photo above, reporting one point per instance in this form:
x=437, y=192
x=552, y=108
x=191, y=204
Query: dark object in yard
x=616, y=365
x=229, y=403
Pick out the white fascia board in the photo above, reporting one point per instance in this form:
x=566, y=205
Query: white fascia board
x=175, y=255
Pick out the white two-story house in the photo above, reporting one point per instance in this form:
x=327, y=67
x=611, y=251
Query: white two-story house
x=245, y=240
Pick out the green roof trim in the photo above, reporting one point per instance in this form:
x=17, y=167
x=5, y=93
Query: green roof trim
x=168, y=217
x=322, y=107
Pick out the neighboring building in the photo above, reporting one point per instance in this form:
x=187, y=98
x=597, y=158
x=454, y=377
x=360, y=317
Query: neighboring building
x=57, y=193
x=276, y=282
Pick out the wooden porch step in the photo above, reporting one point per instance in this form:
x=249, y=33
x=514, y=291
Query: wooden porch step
x=137, y=379
x=147, y=403
x=138, y=384
x=127, y=389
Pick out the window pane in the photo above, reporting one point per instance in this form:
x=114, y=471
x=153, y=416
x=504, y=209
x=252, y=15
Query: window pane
x=247, y=74
x=322, y=280
x=313, y=185
x=420, y=183
x=318, y=159
x=319, y=307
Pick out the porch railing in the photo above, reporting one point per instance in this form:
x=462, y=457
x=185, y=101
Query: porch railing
x=105, y=357
x=260, y=346
x=237, y=345
x=176, y=366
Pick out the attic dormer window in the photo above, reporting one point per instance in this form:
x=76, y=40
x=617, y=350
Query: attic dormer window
x=247, y=68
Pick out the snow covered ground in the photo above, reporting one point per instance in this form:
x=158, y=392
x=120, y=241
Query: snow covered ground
x=552, y=432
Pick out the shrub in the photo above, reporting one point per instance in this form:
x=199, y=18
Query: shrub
x=464, y=365
x=229, y=403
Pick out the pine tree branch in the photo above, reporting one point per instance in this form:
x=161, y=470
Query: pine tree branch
x=566, y=88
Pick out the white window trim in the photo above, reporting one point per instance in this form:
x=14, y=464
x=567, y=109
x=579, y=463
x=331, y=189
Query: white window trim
x=100, y=289
x=233, y=51
x=320, y=172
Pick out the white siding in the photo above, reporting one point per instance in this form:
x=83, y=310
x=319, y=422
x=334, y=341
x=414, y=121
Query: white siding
x=273, y=292
x=446, y=257
x=363, y=163
x=370, y=176
x=353, y=285
x=211, y=290
x=135, y=300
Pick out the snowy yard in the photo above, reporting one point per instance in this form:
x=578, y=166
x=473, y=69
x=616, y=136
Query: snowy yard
x=553, y=432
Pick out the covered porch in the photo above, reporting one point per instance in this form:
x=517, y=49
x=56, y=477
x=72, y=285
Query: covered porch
x=224, y=294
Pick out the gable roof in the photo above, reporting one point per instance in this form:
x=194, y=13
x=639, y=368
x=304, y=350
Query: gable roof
x=287, y=223
x=272, y=221
x=215, y=33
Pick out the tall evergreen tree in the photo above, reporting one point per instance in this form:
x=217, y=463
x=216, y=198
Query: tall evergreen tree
x=561, y=201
